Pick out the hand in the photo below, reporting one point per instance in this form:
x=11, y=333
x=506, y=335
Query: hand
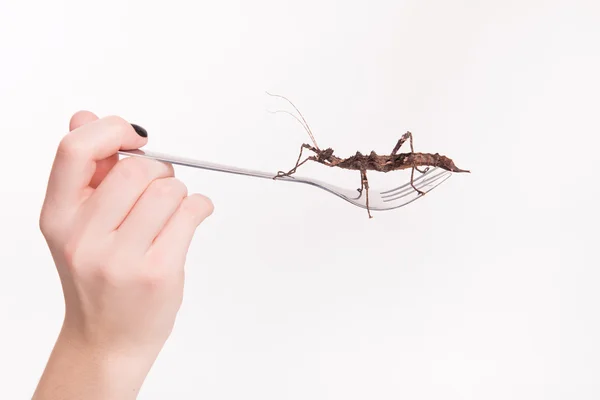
x=119, y=232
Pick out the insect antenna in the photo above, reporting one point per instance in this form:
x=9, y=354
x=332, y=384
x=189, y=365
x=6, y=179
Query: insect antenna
x=304, y=124
x=296, y=118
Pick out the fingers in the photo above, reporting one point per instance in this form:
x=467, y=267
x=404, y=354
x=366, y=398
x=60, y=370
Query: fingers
x=102, y=166
x=108, y=206
x=151, y=213
x=80, y=150
x=81, y=118
x=176, y=236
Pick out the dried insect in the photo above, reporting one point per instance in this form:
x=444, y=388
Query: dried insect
x=373, y=162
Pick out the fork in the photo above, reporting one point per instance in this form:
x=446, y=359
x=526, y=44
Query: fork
x=378, y=201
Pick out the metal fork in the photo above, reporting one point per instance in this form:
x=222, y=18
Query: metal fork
x=378, y=201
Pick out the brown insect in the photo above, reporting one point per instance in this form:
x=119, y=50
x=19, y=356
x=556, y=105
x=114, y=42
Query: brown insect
x=372, y=162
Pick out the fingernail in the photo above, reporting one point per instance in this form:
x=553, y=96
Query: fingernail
x=140, y=131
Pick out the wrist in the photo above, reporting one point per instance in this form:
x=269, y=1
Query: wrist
x=80, y=369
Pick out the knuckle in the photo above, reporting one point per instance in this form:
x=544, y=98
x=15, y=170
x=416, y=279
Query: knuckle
x=153, y=280
x=73, y=254
x=132, y=169
x=51, y=230
x=84, y=258
x=162, y=259
x=107, y=275
x=108, y=270
x=51, y=221
x=169, y=168
x=70, y=146
x=197, y=206
x=87, y=262
x=171, y=187
x=44, y=224
x=117, y=123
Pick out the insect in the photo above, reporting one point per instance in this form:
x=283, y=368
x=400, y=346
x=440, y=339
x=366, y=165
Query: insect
x=369, y=162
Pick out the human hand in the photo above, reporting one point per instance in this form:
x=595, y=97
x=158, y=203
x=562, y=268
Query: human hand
x=119, y=232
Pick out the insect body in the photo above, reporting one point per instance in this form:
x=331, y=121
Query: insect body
x=372, y=162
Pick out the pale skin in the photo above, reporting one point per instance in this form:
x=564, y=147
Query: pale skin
x=119, y=232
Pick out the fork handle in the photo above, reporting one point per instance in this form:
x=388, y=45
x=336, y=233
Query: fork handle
x=188, y=162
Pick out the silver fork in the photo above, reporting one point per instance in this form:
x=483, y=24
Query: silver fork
x=378, y=201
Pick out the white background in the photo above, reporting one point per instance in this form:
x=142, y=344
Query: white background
x=488, y=288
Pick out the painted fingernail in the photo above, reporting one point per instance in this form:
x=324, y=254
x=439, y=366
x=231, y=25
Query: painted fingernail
x=140, y=131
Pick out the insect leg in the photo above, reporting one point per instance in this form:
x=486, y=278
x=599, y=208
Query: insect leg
x=364, y=183
x=403, y=139
x=412, y=150
x=401, y=142
x=412, y=175
x=298, y=163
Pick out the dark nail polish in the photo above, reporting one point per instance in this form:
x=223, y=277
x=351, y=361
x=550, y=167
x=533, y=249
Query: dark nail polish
x=140, y=131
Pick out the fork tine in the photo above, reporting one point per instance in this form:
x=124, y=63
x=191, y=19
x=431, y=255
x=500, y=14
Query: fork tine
x=426, y=186
x=407, y=186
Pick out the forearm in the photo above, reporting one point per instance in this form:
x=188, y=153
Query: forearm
x=76, y=371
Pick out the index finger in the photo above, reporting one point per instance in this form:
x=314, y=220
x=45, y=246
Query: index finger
x=78, y=152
